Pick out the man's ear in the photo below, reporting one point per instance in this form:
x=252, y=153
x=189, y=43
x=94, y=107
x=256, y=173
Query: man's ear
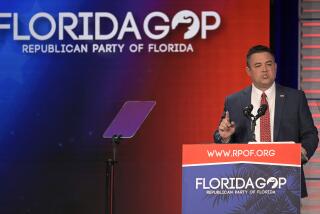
x=248, y=71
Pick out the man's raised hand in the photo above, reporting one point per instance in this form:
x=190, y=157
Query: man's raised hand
x=226, y=127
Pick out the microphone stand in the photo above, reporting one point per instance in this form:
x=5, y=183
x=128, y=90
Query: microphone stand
x=253, y=128
x=253, y=119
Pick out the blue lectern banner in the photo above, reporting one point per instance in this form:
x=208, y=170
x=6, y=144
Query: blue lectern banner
x=240, y=179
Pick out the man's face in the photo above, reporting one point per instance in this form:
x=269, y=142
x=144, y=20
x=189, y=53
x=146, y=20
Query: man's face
x=262, y=70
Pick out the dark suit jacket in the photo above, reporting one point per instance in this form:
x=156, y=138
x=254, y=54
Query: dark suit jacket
x=292, y=120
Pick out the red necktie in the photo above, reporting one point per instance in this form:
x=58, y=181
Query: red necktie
x=265, y=133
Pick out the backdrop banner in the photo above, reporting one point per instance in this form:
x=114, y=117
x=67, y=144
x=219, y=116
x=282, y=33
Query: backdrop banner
x=67, y=67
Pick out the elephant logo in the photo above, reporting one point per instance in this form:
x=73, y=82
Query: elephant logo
x=274, y=181
x=187, y=17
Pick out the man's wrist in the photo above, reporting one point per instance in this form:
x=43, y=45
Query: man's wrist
x=225, y=140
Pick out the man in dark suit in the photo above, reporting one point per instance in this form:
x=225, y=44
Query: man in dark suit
x=287, y=118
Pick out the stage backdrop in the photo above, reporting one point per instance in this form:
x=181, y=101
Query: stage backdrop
x=66, y=68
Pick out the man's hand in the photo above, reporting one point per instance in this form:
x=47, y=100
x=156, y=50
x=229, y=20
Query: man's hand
x=304, y=157
x=226, y=128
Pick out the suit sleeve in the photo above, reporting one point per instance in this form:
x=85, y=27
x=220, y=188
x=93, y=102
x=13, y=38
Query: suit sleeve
x=308, y=132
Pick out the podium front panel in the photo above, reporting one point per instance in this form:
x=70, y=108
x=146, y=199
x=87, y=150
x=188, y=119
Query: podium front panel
x=241, y=178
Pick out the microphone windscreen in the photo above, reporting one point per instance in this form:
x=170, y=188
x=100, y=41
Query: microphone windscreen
x=247, y=110
x=262, y=110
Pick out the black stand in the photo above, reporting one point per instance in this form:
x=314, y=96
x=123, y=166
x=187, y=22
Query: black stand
x=110, y=190
x=253, y=120
x=253, y=128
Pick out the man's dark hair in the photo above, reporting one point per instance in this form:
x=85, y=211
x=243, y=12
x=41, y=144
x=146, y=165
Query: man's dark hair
x=258, y=49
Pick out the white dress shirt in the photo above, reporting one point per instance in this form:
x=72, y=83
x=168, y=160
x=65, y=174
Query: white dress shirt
x=256, y=100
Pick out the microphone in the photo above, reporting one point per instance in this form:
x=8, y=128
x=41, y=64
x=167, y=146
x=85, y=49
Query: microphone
x=247, y=111
x=262, y=110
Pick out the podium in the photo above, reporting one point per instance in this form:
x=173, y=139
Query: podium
x=241, y=178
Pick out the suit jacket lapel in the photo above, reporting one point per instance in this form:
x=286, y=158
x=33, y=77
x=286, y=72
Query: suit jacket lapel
x=245, y=101
x=246, y=96
x=279, y=103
